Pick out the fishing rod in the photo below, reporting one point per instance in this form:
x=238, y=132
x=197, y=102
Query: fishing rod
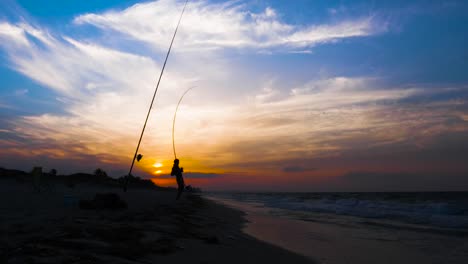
x=152, y=100
x=175, y=115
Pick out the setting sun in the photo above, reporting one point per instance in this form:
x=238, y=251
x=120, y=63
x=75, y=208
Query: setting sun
x=157, y=165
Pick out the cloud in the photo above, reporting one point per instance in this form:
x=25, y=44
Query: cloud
x=464, y=116
x=297, y=169
x=403, y=181
x=104, y=89
x=105, y=93
x=21, y=92
x=6, y=106
x=227, y=25
x=68, y=66
x=336, y=117
x=12, y=35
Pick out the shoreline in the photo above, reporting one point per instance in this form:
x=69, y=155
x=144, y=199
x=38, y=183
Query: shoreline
x=345, y=241
x=234, y=246
x=49, y=227
x=282, y=232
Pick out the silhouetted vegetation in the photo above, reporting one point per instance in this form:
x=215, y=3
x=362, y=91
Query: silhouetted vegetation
x=138, y=182
x=99, y=177
x=17, y=175
x=99, y=172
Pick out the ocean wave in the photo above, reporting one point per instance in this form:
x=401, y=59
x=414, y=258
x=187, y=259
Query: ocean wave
x=448, y=210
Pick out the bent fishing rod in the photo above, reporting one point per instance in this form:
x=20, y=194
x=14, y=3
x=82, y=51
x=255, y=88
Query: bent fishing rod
x=175, y=115
x=152, y=100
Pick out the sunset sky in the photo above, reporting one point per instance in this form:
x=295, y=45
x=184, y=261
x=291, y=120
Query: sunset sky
x=290, y=95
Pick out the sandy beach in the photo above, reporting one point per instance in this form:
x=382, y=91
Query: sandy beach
x=341, y=239
x=48, y=226
x=70, y=219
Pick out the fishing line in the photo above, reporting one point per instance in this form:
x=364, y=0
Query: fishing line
x=175, y=115
x=152, y=101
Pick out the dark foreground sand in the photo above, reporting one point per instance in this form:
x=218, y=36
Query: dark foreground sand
x=49, y=227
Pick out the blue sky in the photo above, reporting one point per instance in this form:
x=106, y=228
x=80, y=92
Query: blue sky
x=279, y=85
x=424, y=43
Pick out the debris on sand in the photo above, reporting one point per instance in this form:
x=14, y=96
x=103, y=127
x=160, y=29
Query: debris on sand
x=104, y=201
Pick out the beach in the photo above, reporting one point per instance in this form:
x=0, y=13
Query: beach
x=84, y=218
x=332, y=228
x=48, y=226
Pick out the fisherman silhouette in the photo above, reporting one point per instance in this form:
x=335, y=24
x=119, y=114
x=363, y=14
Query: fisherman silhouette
x=180, y=180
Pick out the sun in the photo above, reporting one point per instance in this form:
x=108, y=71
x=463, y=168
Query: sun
x=157, y=165
x=158, y=172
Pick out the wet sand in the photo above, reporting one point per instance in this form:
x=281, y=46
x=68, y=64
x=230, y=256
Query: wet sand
x=49, y=227
x=347, y=242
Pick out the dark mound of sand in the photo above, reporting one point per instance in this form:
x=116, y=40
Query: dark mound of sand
x=104, y=201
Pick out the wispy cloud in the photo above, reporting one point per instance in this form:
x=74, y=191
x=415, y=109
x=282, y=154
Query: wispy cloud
x=12, y=36
x=325, y=118
x=21, y=92
x=228, y=25
x=69, y=66
x=3, y=105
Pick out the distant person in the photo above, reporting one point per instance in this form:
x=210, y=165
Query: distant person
x=176, y=171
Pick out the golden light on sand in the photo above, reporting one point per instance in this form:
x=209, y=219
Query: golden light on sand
x=157, y=165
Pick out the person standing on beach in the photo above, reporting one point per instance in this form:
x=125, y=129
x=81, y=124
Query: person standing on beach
x=176, y=171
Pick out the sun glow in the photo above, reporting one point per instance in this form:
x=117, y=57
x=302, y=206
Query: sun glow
x=157, y=165
x=158, y=172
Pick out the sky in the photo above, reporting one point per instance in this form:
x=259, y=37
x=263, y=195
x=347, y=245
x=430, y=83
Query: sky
x=289, y=96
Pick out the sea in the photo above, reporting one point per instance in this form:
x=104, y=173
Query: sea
x=343, y=228
x=438, y=210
